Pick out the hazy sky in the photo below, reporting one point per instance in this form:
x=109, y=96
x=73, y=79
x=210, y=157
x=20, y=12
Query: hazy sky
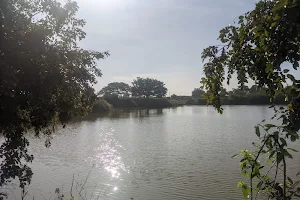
x=160, y=39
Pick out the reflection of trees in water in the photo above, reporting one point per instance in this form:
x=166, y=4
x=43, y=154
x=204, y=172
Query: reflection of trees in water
x=139, y=113
x=147, y=113
x=116, y=114
x=92, y=117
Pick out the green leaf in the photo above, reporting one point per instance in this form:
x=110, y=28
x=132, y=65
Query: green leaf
x=293, y=133
x=298, y=174
x=283, y=141
x=286, y=98
x=267, y=178
x=269, y=68
x=241, y=184
x=266, y=33
x=273, y=24
x=259, y=184
x=272, y=154
x=269, y=160
x=277, y=17
x=290, y=107
x=277, y=80
x=295, y=65
x=245, y=189
x=286, y=70
x=294, y=150
x=257, y=131
x=245, y=192
x=290, y=180
x=291, y=77
x=286, y=153
x=235, y=155
x=279, y=6
x=295, y=184
x=293, y=138
x=269, y=126
x=261, y=167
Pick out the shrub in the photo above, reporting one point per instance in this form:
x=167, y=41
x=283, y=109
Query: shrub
x=123, y=102
x=191, y=101
x=176, y=102
x=101, y=106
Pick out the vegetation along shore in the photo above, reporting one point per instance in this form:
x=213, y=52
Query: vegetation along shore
x=151, y=93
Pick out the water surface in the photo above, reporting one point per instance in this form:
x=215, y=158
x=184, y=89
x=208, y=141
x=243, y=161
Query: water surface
x=176, y=153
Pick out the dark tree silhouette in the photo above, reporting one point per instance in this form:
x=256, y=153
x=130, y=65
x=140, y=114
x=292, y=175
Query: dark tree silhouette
x=197, y=93
x=45, y=77
x=262, y=44
x=148, y=87
x=119, y=89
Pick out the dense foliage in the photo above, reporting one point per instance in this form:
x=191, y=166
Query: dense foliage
x=249, y=96
x=126, y=102
x=197, y=93
x=119, y=89
x=121, y=95
x=148, y=87
x=246, y=96
x=101, y=106
x=264, y=46
x=120, y=102
x=44, y=76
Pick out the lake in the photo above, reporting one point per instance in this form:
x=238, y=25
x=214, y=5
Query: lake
x=176, y=153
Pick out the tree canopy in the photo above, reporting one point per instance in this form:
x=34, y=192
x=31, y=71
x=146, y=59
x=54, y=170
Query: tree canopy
x=197, y=93
x=148, y=87
x=119, y=89
x=249, y=96
x=263, y=46
x=45, y=77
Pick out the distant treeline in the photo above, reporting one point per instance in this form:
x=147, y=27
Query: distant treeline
x=140, y=88
x=143, y=93
x=150, y=93
x=245, y=96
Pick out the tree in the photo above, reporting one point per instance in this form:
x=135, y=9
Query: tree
x=197, y=93
x=223, y=93
x=148, y=87
x=254, y=89
x=119, y=89
x=45, y=77
x=239, y=92
x=260, y=47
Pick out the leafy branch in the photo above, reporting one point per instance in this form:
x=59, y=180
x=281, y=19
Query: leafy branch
x=256, y=49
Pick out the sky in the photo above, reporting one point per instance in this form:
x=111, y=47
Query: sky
x=161, y=39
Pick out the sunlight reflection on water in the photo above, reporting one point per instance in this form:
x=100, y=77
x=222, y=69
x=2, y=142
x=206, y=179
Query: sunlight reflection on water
x=179, y=153
x=107, y=155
